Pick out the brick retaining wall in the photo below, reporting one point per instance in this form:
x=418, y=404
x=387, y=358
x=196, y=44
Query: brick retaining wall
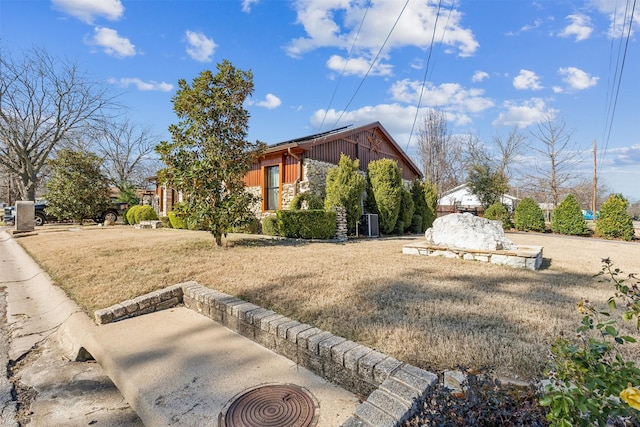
x=389, y=386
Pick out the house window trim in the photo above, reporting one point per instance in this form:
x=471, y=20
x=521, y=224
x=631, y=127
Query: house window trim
x=265, y=181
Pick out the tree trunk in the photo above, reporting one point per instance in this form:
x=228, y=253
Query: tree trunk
x=218, y=237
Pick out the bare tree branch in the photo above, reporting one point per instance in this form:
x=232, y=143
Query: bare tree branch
x=43, y=99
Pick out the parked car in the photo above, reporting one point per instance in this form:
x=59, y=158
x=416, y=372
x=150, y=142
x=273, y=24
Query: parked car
x=588, y=215
x=112, y=213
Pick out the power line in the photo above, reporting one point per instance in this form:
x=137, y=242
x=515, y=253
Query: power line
x=618, y=76
x=426, y=70
x=345, y=66
x=372, y=64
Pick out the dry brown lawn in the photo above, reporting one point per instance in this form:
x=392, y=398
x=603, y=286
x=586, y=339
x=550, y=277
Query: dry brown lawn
x=435, y=313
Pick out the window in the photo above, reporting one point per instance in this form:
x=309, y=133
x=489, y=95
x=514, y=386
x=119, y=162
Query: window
x=272, y=187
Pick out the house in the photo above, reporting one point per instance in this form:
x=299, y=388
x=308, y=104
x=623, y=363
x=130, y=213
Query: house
x=299, y=165
x=460, y=199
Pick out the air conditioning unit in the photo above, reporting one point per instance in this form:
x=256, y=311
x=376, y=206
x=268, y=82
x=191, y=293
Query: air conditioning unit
x=369, y=225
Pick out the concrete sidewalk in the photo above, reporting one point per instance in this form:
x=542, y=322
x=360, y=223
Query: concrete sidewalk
x=174, y=367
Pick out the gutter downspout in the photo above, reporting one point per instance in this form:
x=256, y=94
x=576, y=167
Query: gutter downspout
x=296, y=184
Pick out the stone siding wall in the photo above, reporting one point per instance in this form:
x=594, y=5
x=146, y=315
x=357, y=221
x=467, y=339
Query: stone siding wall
x=389, y=388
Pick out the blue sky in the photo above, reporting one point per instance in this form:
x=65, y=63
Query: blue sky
x=489, y=65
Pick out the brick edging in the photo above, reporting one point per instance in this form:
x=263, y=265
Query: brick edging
x=391, y=387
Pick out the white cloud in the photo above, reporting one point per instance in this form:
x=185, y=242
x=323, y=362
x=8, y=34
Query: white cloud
x=451, y=98
x=200, y=47
x=577, y=79
x=536, y=24
x=523, y=115
x=335, y=23
x=141, y=85
x=580, y=27
x=88, y=10
x=112, y=43
x=246, y=5
x=358, y=66
x=270, y=102
x=527, y=80
x=620, y=18
x=479, y=76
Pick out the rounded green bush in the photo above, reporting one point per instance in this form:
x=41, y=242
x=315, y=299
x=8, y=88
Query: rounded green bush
x=176, y=221
x=407, y=209
x=145, y=213
x=568, y=219
x=614, y=222
x=270, y=226
x=528, y=216
x=499, y=212
x=313, y=201
x=131, y=214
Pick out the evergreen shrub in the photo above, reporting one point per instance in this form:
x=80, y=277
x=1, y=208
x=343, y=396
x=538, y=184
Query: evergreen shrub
x=386, y=186
x=131, y=214
x=176, y=221
x=270, y=226
x=407, y=208
x=313, y=201
x=344, y=187
x=145, y=213
x=614, y=222
x=306, y=224
x=416, y=224
x=499, y=212
x=528, y=216
x=568, y=219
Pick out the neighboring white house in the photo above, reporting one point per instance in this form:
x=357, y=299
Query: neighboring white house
x=460, y=199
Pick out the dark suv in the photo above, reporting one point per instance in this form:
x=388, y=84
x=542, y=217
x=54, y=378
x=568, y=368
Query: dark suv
x=111, y=213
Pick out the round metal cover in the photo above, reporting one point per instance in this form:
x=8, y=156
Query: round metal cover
x=276, y=405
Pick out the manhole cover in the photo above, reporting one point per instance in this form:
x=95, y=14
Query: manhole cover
x=278, y=405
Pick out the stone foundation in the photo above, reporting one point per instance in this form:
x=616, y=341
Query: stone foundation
x=526, y=257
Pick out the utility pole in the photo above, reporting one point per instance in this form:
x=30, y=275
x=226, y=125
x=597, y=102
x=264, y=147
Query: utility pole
x=595, y=181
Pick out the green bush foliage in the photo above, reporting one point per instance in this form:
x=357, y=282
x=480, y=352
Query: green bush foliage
x=406, y=211
x=399, y=227
x=614, y=222
x=590, y=383
x=249, y=227
x=416, y=224
x=425, y=200
x=145, y=213
x=270, y=225
x=528, y=216
x=386, y=186
x=568, y=219
x=344, y=187
x=176, y=221
x=165, y=222
x=131, y=214
x=499, y=212
x=313, y=201
x=306, y=224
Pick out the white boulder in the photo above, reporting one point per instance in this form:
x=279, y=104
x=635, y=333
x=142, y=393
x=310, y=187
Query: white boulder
x=466, y=231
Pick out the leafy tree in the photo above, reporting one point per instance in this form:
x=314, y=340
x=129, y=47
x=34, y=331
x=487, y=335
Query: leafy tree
x=77, y=188
x=487, y=184
x=208, y=155
x=344, y=187
x=45, y=102
x=568, y=219
x=419, y=202
x=431, y=197
x=614, y=222
x=499, y=212
x=386, y=186
x=528, y=216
